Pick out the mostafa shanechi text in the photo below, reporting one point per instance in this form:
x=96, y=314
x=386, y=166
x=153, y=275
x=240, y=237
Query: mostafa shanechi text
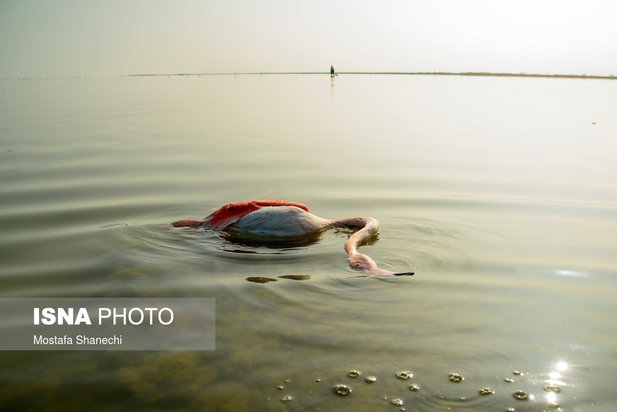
x=77, y=340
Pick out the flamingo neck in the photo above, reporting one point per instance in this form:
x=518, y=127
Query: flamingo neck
x=367, y=226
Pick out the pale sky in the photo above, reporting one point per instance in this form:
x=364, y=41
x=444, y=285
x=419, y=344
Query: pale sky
x=108, y=37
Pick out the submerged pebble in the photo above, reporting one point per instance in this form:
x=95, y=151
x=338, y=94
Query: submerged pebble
x=518, y=373
x=404, y=375
x=280, y=387
x=552, y=388
x=287, y=398
x=397, y=402
x=353, y=373
x=455, y=377
x=521, y=395
x=508, y=380
x=414, y=388
x=370, y=379
x=341, y=390
x=486, y=391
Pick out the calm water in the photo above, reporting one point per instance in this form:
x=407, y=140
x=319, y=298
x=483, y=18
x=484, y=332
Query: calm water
x=500, y=193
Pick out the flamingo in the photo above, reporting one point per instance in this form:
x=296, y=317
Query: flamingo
x=282, y=221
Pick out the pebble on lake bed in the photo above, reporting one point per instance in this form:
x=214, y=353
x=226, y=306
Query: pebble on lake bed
x=287, y=398
x=414, y=388
x=455, y=377
x=397, y=402
x=341, y=390
x=486, y=391
x=353, y=373
x=370, y=379
x=552, y=388
x=521, y=395
x=404, y=375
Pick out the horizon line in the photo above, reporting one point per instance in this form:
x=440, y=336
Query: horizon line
x=478, y=74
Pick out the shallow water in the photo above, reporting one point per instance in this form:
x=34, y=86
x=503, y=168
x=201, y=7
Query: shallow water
x=500, y=193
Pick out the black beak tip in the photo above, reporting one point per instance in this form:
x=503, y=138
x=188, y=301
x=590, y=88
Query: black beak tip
x=404, y=274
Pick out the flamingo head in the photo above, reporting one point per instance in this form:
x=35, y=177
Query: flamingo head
x=364, y=263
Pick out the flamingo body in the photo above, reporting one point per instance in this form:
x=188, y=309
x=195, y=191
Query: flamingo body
x=279, y=222
x=283, y=221
x=232, y=212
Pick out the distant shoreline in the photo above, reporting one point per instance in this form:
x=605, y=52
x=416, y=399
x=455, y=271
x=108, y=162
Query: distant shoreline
x=466, y=74
x=474, y=74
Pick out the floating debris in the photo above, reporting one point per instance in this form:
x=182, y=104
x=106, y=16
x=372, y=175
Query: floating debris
x=455, y=377
x=486, y=391
x=341, y=390
x=414, y=388
x=551, y=387
x=370, y=379
x=260, y=279
x=397, y=402
x=404, y=375
x=353, y=373
x=287, y=398
x=509, y=380
x=521, y=395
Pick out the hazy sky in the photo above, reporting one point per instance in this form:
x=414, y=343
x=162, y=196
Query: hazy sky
x=83, y=37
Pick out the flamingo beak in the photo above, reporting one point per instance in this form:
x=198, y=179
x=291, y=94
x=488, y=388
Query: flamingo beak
x=378, y=271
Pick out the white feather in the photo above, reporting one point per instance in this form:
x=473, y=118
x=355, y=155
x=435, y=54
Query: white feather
x=279, y=221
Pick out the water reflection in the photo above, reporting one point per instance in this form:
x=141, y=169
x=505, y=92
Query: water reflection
x=554, y=383
x=571, y=273
x=506, y=207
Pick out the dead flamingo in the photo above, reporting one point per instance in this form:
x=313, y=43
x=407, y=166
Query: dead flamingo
x=270, y=221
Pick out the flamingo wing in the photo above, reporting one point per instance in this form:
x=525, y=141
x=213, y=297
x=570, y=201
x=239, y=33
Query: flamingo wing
x=232, y=212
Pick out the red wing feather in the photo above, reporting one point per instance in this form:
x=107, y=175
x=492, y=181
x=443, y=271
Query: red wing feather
x=232, y=212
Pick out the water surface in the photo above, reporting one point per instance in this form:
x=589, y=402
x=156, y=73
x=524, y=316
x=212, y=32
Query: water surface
x=500, y=193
